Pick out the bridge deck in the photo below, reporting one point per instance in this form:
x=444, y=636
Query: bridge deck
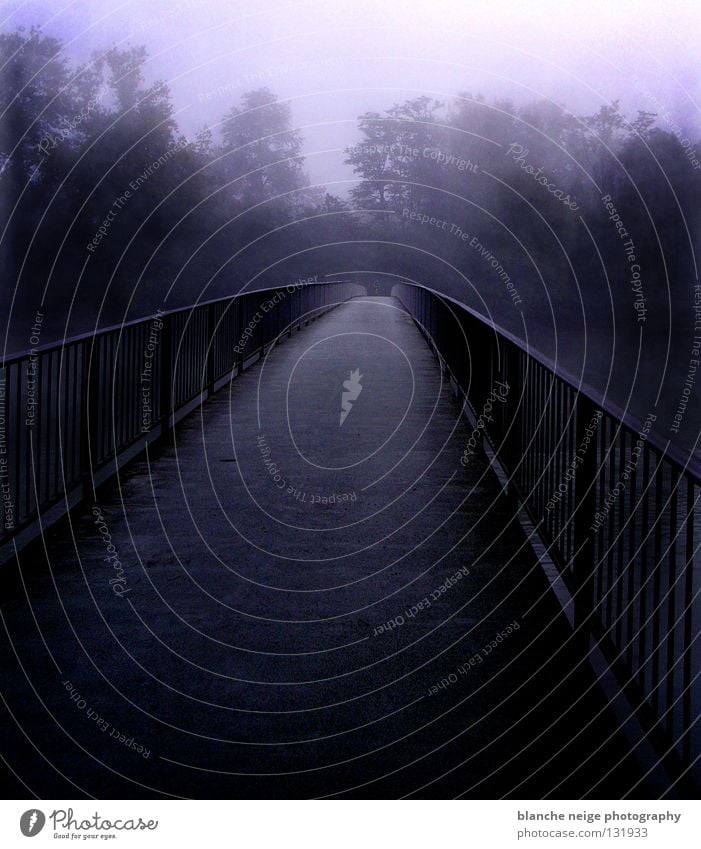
x=244, y=640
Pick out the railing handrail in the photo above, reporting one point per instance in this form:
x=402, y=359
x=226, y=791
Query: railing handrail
x=84, y=428
x=686, y=463
x=15, y=356
x=618, y=520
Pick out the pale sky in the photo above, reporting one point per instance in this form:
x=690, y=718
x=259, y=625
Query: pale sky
x=337, y=58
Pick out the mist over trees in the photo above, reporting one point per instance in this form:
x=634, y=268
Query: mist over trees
x=109, y=212
x=577, y=234
x=531, y=186
x=583, y=227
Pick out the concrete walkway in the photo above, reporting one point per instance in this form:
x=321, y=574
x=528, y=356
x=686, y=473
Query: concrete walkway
x=296, y=606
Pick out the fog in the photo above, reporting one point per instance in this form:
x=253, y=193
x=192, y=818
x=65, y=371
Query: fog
x=337, y=144
x=335, y=60
x=224, y=228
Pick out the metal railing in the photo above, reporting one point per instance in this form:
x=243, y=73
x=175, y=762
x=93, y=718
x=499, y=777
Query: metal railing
x=70, y=411
x=616, y=506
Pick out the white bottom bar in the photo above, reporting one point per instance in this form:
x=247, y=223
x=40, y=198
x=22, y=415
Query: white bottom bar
x=354, y=824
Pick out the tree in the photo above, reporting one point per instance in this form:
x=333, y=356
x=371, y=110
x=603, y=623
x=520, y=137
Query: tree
x=34, y=97
x=262, y=150
x=393, y=158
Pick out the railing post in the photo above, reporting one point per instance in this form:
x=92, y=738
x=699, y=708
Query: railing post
x=89, y=453
x=510, y=435
x=6, y=385
x=278, y=311
x=583, y=563
x=262, y=328
x=166, y=376
x=211, y=348
x=238, y=330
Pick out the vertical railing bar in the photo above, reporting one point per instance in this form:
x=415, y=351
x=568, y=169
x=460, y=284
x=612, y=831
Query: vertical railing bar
x=671, y=597
x=560, y=461
x=630, y=593
x=166, y=373
x=65, y=433
x=87, y=420
x=53, y=447
x=115, y=381
x=124, y=346
x=600, y=544
x=612, y=469
x=645, y=571
x=572, y=432
x=544, y=441
x=27, y=454
x=565, y=503
x=191, y=342
x=583, y=561
x=688, y=638
x=657, y=585
x=122, y=365
x=105, y=366
x=18, y=444
x=619, y=556
x=42, y=397
x=527, y=446
x=532, y=424
x=140, y=335
x=8, y=446
x=131, y=383
x=211, y=335
x=550, y=452
x=75, y=405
